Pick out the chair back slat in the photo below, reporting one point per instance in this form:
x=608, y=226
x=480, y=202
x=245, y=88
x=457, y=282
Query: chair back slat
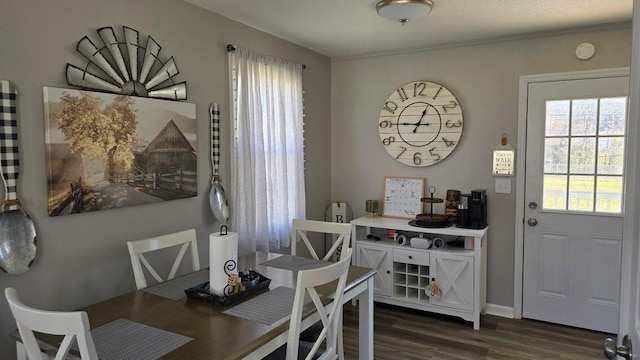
x=149, y=268
x=341, y=233
x=137, y=248
x=72, y=325
x=330, y=317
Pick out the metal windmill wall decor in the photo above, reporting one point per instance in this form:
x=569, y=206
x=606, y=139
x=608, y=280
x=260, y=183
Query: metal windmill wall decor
x=126, y=67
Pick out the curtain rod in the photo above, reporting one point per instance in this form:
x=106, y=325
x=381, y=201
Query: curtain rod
x=232, y=48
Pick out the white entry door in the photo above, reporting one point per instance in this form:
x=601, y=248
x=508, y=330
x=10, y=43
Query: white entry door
x=573, y=202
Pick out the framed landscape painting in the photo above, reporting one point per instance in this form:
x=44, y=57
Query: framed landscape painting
x=108, y=151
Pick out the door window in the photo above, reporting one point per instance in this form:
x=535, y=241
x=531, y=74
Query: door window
x=584, y=154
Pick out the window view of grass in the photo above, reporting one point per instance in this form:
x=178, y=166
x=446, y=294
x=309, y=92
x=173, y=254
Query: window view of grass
x=584, y=154
x=581, y=193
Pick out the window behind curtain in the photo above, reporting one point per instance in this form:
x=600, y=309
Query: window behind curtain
x=267, y=157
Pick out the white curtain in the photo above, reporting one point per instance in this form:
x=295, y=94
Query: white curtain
x=267, y=157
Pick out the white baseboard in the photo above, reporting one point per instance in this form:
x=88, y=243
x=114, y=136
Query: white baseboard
x=499, y=310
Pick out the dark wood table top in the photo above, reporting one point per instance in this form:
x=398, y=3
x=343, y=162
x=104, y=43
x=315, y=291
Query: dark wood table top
x=215, y=335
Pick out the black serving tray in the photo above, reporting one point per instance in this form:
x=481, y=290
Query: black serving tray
x=201, y=292
x=442, y=223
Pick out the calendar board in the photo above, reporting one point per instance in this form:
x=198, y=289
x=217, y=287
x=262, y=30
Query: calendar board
x=402, y=197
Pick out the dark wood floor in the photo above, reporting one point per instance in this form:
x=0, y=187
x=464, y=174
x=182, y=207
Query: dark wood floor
x=401, y=334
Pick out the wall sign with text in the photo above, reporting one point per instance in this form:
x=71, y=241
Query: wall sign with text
x=504, y=162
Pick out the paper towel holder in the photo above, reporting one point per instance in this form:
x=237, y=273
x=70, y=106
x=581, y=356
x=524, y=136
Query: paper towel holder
x=223, y=227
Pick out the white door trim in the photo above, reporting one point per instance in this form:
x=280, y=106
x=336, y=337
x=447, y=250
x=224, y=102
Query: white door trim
x=521, y=148
x=630, y=294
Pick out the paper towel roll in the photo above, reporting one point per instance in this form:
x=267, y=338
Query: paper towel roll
x=223, y=261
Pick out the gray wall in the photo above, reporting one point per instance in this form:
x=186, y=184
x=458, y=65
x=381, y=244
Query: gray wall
x=82, y=258
x=484, y=78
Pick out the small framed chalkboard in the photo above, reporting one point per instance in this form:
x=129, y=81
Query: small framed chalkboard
x=402, y=196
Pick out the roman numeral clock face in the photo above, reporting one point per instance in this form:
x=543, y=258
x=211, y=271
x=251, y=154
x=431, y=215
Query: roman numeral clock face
x=420, y=124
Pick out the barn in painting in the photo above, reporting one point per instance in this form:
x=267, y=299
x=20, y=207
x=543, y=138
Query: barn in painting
x=168, y=152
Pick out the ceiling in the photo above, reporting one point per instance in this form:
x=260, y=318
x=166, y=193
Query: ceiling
x=349, y=28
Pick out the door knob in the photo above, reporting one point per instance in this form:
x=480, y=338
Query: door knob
x=624, y=351
x=532, y=222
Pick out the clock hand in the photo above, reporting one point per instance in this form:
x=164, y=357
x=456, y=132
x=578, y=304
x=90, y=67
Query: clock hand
x=420, y=121
x=414, y=124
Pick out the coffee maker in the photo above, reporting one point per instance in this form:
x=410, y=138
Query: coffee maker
x=472, y=210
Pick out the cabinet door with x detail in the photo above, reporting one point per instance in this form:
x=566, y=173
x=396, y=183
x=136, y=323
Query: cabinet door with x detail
x=379, y=258
x=454, y=276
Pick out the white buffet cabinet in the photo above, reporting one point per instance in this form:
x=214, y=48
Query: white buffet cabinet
x=404, y=272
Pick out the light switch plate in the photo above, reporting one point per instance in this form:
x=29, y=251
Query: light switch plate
x=503, y=186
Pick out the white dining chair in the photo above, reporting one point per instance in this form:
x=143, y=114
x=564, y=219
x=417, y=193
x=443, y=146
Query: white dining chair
x=340, y=232
x=137, y=248
x=327, y=346
x=72, y=325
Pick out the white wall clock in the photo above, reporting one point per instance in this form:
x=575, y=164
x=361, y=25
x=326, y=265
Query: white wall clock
x=420, y=123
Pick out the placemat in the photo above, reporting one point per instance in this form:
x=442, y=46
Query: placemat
x=128, y=340
x=294, y=263
x=174, y=289
x=267, y=308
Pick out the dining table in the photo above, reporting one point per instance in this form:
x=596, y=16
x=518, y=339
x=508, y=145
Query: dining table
x=212, y=331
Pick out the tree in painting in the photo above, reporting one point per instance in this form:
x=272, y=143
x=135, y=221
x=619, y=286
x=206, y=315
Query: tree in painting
x=107, y=134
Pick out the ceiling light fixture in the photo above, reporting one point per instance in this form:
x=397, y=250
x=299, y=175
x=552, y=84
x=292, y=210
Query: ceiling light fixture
x=403, y=10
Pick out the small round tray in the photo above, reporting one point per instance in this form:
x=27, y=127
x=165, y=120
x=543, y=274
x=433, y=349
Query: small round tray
x=431, y=217
x=430, y=224
x=431, y=200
